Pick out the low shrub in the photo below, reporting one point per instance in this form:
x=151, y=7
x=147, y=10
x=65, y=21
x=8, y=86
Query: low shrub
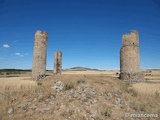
x=68, y=86
x=81, y=81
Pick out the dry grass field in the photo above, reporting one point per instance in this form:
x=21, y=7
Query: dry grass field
x=78, y=95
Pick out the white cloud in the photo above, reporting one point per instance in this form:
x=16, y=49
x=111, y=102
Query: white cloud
x=18, y=54
x=6, y=46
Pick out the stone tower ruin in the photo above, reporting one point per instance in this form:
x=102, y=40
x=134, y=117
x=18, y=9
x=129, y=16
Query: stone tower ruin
x=130, y=58
x=57, y=62
x=39, y=55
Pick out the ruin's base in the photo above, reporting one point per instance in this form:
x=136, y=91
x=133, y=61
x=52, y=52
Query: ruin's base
x=132, y=77
x=38, y=77
x=57, y=74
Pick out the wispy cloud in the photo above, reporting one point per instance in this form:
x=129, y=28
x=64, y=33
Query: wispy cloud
x=18, y=54
x=6, y=46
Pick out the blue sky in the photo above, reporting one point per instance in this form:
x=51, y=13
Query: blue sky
x=88, y=32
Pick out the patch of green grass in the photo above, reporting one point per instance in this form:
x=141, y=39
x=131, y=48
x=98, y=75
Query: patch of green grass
x=39, y=83
x=68, y=86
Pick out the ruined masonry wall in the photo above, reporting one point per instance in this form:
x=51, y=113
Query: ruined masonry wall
x=57, y=62
x=130, y=58
x=39, y=54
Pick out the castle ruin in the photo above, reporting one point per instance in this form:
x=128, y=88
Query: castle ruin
x=39, y=55
x=57, y=62
x=130, y=58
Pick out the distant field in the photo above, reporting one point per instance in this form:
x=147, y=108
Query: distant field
x=147, y=88
x=92, y=72
x=16, y=82
x=152, y=78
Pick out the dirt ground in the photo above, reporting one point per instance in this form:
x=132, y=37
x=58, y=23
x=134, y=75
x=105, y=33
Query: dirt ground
x=78, y=95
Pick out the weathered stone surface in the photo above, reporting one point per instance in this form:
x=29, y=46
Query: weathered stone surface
x=119, y=102
x=41, y=98
x=94, y=91
x=88, y=95
x=10, y=111
x=58, y=62
x=58, y=86
x=24, y=106
x=51, y=103
x=39, y=55
x=93, y=116
x=130, y=58
x=33, y=107
x=109, y=96
x=44, y=110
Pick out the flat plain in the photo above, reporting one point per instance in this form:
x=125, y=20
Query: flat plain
x=77, y=95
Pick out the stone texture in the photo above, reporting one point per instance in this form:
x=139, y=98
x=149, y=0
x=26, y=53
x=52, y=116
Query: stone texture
x=24, y=106
x=109, y=96
x=58, y=86
x=58, y=62
x=39, y=55
x=10, y=111
x=130, y=58
x=119, y=102
x=44, y=110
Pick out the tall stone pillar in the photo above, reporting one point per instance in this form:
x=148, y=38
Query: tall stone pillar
x=57, y=62
x=39, y=55
x=130, y=58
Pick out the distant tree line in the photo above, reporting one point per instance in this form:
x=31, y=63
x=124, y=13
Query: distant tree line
x=12, y=71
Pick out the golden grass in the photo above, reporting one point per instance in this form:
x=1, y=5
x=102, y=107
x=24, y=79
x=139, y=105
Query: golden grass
x=17, y=90
x=16, y=82
x=89, y=72
x=146, y=88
